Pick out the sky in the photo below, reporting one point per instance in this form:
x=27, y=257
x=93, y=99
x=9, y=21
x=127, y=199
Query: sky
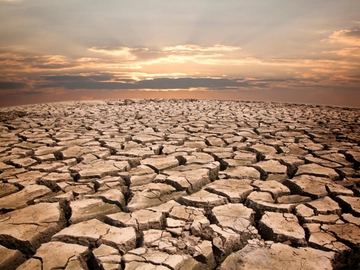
x=304, y=51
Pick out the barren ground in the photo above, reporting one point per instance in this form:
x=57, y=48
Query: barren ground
x=179, y=184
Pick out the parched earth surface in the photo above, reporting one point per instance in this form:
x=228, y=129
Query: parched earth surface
x=179, y=184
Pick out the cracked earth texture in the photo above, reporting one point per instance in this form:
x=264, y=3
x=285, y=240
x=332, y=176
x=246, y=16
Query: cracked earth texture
x=179, y=184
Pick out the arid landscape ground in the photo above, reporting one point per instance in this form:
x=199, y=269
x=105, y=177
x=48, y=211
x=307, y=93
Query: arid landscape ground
x=179, y=184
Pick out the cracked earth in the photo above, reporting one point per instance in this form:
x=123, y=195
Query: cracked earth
x=179, y=184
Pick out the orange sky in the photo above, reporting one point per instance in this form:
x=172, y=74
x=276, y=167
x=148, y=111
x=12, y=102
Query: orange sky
x=306, y=52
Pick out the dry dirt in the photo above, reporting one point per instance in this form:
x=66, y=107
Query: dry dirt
x=179, y=184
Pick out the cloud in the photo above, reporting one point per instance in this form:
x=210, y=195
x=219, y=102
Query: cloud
x=187, y=60
x=348, y=51
x=118, y=52
x=30, y=63
x=192, y=48
x=348, y=37
x=4, y=85
x=185, y=66
x=72, y=78
x=170, y=54
x=101, y=82
x=346, y=44
x=354, y=33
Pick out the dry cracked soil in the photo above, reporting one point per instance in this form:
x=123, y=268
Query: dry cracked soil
x=179, y=184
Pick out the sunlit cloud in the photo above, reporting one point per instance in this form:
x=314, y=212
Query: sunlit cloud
x=137, y=57
x=349, y=51
x=33, y=63
x=122, y=68
x=179, y=61
x=349, y=42
x=348, y=37
x=197, y=49
x=120, y=52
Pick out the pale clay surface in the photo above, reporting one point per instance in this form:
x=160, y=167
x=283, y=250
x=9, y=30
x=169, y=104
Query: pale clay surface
x=179, y=184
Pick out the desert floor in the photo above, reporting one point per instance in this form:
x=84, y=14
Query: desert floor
x=179, y=184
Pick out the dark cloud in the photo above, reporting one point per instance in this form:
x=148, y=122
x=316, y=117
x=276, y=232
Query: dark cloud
x=186, y=83
x=75, y=78
x=83, y=85
x=96, y=82
x=53, y=66
x=354, y=76
x=354, y=33
x=272, y=80
x=12, y=85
